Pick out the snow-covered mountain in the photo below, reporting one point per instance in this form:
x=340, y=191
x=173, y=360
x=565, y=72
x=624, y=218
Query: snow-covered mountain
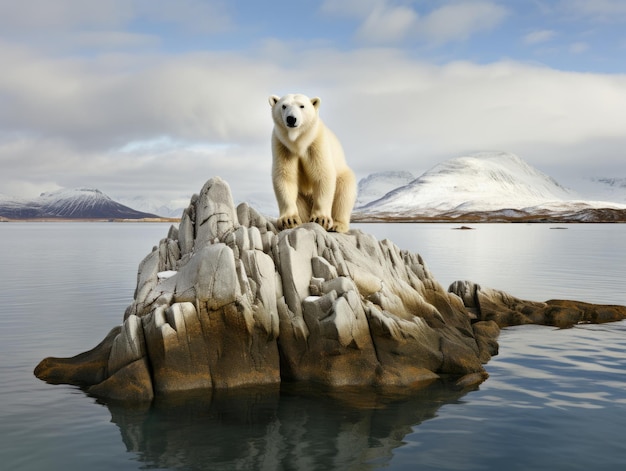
x=490, y=184
x=377, y=185
x=80, y=203
x=173, y=209
x=602, y=188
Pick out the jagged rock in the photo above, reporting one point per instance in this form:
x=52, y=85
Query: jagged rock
x=84, y=369
x=505, y=310
x=226, y=300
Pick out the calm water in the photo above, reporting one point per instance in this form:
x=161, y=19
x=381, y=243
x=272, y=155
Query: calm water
x=555, y=399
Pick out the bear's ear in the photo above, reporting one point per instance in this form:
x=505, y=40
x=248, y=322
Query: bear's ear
x=316, y=102
x=274, y=99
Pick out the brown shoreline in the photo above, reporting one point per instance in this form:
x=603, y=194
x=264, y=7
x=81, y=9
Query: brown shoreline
x=585, y=216
x=596, y=216
x=172, y=220
x=419, y=220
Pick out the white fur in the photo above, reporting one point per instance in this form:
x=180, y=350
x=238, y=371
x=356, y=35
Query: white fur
x=312, y=181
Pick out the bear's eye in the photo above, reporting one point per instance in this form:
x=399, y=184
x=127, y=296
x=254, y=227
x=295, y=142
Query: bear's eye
x=284, y=107
x=301, y=106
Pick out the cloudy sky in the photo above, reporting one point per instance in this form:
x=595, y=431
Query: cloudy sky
x=153, y=97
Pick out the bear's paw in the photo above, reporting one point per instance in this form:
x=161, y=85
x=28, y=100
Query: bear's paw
x=289, y=221
x=325, y=221
x=340, y=227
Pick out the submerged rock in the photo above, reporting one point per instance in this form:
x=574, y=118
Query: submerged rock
x=226, y=300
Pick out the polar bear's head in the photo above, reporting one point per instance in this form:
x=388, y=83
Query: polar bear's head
x=294, y=110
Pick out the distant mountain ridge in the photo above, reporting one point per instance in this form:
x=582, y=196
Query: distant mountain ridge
x=79, y=203
x=496, y=186
x=376, y=185
x=488, y=186
x=153, y=206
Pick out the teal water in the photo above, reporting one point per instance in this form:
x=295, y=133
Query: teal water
x=555, y=399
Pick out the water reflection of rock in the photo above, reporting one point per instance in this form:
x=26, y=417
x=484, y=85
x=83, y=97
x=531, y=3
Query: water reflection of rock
x=297, y=428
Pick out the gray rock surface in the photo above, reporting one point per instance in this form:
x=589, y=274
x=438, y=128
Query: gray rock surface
x=226, y=300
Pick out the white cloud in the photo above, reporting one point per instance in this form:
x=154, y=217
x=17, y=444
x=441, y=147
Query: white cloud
x=106, y=102
x=385, y=21
x=43, y=16
x=60, y=15
x=351, y=8
x=386, y=24
x=459, y=21
x=88, y=97
x=182, y=119
x=539, y=36
x=109, y=41
x=199, y=16
x=436, y=112
x=611, y=10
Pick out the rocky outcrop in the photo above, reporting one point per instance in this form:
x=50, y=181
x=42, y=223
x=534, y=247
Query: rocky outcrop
x=226, y=300
x=505, y=310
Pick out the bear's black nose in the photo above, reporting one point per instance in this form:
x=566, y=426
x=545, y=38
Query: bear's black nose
x=291, y=121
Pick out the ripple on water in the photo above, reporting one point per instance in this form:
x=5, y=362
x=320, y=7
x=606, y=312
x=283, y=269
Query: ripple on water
x=561, y=367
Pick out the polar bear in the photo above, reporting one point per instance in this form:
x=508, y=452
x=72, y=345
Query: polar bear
x=311, y=179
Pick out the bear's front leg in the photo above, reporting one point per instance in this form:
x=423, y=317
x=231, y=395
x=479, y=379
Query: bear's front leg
x=322, y=204
x=285, y=181
x=345, y=196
